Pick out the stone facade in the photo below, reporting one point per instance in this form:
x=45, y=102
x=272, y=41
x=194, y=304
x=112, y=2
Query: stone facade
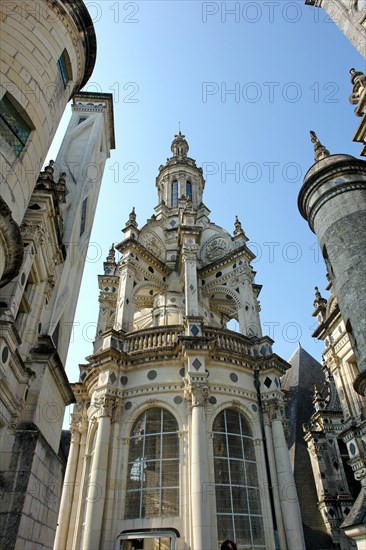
x=45, y=224
x=47, y=54
x=350, y=18
x=177, y=432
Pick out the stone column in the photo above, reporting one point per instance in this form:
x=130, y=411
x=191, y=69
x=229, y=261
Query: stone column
x=274, y=482
x=286, y=484
x=68, y=490
x=98, y=478
x=200, y=515
x=78, y=488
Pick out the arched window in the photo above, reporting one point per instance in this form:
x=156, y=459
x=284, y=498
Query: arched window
x=238, y=506
x=189, y=190
x=174, y=195
x=153, y=466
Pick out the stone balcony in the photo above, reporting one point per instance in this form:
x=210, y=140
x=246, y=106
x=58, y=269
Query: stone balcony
x=170, y=339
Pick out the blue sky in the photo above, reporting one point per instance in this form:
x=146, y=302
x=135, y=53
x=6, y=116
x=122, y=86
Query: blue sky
x=247, y=87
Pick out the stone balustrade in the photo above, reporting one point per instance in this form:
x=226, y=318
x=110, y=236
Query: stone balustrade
x=167, y=337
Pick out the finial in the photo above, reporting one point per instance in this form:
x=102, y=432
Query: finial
x=238, y=231
x=320, y=152
x=179, y=127
x=319, y=300
x=132, y=218
x=49, y=168
x=238, y=228
x=112, y=254
x=355, y=74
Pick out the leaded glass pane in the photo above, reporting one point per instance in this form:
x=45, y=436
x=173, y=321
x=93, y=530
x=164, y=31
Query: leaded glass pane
x=242, y=530
x=169, y=422
x=170, y=473
x=219, y=445
x=170, y=446
x=221, y=471
x=225, y=527
x=254, y=501
x=153, y=421
x=237, y=472
x=248, y=449
x=133, y=505
x=219, y=424
x=245, y=428
x=251, y=472
x=151, y=503
x=223, y=499
x=232, y=421
x=135, y=475
x=240, y=500
x=136, y=449
x=152, y=446
x=258, y=530
x=152, y=474
x=235, y=446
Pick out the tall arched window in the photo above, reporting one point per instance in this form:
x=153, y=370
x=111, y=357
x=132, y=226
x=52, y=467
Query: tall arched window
x=174, y=194
x=189, y=190
x=153, y=466
x=238, y=506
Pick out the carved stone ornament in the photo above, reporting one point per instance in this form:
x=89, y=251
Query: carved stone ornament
x=199, y=394
x=215, y=248
x=32, y=232
x=152, y=243
x=104, y=405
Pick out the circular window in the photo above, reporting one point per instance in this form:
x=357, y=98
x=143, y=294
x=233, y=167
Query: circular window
x=178, y=399
x=152, y=374
x=124, y=380
x=233, y=377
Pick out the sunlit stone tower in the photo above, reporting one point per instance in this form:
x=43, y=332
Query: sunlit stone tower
x=333, y=201
x=177, y=434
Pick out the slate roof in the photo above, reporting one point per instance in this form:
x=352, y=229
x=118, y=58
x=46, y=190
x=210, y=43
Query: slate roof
x=298, y=384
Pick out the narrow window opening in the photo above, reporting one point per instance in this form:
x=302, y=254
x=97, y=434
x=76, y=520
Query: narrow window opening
x=64, y=68
x=174, y=194
x=189, y=190
x=83, y=216
x=14, y=128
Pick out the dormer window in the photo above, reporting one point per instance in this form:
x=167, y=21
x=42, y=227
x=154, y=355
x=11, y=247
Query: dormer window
x=189, y=190
x=174, y=194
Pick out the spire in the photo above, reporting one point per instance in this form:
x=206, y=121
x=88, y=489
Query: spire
x=238, y=231
x=111, y=258
x=132, y=218
x=179, y=145
x=320, y=152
